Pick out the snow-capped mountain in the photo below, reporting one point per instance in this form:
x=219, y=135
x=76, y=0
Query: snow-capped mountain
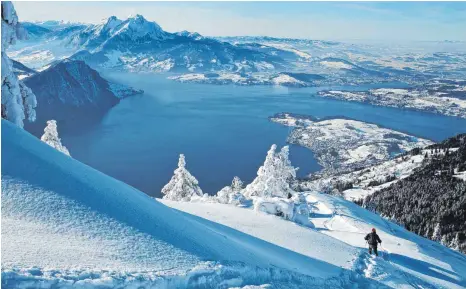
x=55, y=24
x=137, y=44
x=118, y=34
x=34, y=30
x=48, y=30
x=72, y=93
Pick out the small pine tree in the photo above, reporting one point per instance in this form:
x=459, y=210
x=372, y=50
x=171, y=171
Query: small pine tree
x=232, y=194
x=437, y=234
x=182, y=186
x=236, y=184
x=455, y=243
x=51, y=138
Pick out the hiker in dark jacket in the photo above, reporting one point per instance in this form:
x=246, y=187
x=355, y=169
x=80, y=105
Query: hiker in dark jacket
x=373, y=239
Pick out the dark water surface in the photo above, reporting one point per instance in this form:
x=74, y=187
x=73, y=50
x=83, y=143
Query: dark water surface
x=224, y=131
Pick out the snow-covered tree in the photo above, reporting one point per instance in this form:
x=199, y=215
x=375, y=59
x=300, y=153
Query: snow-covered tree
x=274, y=177
x=51, y=138
x=437, y=234
x=455, y=244
x=182, y=185
x=18, y=101
x=284, y=163
x=232, y=194
x=236, y=184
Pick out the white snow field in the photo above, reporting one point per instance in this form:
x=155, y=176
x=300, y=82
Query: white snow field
x=66, y=225
x=406, y=260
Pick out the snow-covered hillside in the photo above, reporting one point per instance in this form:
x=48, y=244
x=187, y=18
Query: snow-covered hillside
x=21, y=70
x=341, y=144
x=407, y=260
x=283, y=79
x=447, y=97
x=65, y=224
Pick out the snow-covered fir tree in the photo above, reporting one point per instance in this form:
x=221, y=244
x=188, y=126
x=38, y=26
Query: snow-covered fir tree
x=274, y=177
x=284, y=163
x=18, y=101
x=437, y=235
x=182, y=186
x=236, y=184
x=51, y=138
x=456, y=243
x=232, y=194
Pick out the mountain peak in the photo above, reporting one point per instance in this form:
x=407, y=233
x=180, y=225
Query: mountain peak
x=139, y=26
x=112, y=22
x=193, y=35
x=137, y=17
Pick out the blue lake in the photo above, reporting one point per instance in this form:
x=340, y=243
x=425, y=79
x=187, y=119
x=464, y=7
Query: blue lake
x=224, y=131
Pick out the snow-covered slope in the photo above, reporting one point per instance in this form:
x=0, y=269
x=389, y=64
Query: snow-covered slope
x=21, y=70
x=65, y=224
x=407, y=260
x=342, y=144
x=447, y=98
x=35, y=31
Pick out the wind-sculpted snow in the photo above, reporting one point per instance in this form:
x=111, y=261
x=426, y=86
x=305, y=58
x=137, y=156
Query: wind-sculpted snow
x=65, y=224
x=440, y=96
x=343, y=144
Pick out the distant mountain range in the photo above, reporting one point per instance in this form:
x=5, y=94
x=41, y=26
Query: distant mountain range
x=136, y=44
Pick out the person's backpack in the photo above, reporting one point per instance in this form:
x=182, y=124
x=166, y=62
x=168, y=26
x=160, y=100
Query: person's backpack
x=371, y=238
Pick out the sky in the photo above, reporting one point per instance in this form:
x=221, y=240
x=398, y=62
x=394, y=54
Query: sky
x=424, y=21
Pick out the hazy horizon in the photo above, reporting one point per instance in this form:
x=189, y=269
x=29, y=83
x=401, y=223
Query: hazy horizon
x=388, y=21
